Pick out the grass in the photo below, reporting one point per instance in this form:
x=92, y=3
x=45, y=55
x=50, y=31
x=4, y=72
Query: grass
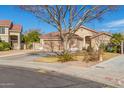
x=77, y=57
x=49, y=59
x=108, y=55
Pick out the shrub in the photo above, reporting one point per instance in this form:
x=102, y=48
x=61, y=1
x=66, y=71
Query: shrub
x=4, y=46
x=65, y=57
x=89, y=49
x=90, y=56
x=114, y=48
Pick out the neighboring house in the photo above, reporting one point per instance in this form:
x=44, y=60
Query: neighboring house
x=83, y=38
x=11, y=33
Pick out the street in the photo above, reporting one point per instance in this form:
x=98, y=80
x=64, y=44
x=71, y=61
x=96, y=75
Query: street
x=16, y=77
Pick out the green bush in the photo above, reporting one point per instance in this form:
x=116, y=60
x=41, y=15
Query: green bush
x=113, y=49
x=4, y=46
x=65, y=57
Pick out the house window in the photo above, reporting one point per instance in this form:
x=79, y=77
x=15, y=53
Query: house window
x=2, y=30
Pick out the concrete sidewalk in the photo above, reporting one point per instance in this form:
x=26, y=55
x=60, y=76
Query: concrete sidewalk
x=15, y=52
x=110, y=72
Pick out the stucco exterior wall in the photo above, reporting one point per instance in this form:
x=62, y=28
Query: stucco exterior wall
x=18, y=44
x=52, y=45
x=84, y=32
x=55, y=45
x=5, y=37
x=95, y=42
x=75, y=44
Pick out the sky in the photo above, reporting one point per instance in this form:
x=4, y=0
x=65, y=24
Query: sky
x=112, y=21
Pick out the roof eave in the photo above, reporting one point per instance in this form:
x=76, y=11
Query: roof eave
x=15, y=31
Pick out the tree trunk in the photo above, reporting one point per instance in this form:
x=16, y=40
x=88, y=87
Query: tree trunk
x=65, y=46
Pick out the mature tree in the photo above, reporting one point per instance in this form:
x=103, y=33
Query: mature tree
x=31, y=36
x=117, y=38
x=67, y=17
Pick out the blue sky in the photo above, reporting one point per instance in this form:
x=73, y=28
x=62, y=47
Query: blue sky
x=112, y=22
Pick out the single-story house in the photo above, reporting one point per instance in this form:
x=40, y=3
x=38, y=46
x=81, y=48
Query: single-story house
x=11, y=33
x=83, y=38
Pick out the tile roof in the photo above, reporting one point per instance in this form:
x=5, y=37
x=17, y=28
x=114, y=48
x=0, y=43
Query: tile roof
x=52, y=35
x=101, y=33
x=55, y=35
x=16, y=27
x=10, y=25
x=5, y=23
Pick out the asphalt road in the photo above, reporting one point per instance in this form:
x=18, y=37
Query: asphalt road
x=15, y=77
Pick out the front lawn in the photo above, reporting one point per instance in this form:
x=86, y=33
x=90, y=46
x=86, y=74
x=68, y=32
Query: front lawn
x=47, y=59
x=109, y=55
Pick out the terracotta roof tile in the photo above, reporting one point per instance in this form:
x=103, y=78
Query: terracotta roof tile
x=55, y=35
x=101, y=33
x=5, y=23
x=52, y=35
x=16, y=27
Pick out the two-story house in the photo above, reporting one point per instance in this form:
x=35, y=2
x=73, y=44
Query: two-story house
x=11, y=33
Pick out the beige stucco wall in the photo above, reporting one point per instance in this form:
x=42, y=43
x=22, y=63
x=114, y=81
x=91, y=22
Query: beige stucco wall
x=75, y=43
x=18, y=44
x=50, y=45
x=84, y=32
x=5, y=37
x=95, y=42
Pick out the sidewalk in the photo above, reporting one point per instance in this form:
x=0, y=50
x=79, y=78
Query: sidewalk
x=15, y=52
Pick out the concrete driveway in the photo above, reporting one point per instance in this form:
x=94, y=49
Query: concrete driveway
x=109, y=72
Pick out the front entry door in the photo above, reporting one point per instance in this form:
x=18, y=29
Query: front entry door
x=14, y=41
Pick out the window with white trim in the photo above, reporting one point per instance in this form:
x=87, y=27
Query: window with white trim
x=2, y=30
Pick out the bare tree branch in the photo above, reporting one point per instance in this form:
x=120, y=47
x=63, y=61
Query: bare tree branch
x=67, y=17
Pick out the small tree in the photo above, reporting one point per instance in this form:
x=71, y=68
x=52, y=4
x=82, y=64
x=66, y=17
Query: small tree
x=101, y=42
x=31, y=37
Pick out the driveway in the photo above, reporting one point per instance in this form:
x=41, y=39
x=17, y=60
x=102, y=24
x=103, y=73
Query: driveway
x=109, y=72
x=15, y=77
